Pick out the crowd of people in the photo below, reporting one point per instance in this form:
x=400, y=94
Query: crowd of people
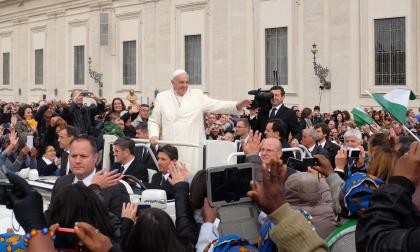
x=343, y=202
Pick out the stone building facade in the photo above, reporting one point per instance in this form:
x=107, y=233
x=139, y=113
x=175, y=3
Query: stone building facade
x=230, y=46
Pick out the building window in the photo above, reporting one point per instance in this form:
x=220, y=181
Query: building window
x=276, y=55
x=6, y=68
x=129, y=62
x=390, y=51
x=193, y=58
x=39, y=66
x=104, y=19
x=79, y=65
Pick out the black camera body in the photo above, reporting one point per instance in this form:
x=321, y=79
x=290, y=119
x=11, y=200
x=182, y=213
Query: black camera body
x=6, y=188
x=261, y=99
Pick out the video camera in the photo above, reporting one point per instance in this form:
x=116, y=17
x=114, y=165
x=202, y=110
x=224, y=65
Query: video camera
x=5, y=188
x=262, y=97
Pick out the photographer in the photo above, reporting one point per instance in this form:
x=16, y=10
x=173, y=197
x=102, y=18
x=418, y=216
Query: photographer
x=81, y=116
x=277, y=110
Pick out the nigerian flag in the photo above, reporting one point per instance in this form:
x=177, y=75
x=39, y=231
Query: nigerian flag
x=395, y=102
x=360, y=117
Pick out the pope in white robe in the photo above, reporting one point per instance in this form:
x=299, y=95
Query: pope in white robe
x=178, y=115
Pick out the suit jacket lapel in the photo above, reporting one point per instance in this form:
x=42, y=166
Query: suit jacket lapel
x=282, y=109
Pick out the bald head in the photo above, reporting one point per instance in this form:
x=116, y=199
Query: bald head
x=270, y=149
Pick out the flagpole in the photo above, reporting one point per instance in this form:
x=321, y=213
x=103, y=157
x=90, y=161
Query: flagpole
x=411, y=133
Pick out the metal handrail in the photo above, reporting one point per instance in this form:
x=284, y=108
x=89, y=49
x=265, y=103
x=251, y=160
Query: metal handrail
x=237, y=154
x=234, y=154
x=136, y=140
x=150, y=152
x=306, y=150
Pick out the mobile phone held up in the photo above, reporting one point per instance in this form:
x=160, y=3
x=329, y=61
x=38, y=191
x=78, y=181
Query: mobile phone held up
x=86, y=94
x=66, y=240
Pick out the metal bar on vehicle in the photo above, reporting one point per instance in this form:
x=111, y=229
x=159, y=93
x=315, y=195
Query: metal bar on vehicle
x=150, y=152
x=136, y=140
x=234, y=154
x=306, y=150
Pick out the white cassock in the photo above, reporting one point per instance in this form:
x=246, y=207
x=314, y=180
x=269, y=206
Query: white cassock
x=181, y=119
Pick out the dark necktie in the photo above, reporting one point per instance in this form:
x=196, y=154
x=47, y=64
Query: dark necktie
x=273, y=113
x=121, y=170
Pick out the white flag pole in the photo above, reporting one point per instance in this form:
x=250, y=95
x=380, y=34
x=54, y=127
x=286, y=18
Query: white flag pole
x=405, y=127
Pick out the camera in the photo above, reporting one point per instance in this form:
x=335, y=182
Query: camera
x=67, y=240
x=353, y=153
x=310, y=161
x=6, y=188
x=261, y=99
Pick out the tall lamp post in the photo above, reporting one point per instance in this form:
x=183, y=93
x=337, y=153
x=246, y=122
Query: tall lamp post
x=97, y=77
x=320, y=71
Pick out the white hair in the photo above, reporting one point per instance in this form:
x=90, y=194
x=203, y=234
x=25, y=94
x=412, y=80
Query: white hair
x=178, y=72
x=353, y=133
x=312, y=133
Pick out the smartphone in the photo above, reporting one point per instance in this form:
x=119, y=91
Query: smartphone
x=353, y=153
x=142, y=206
x=309, y=162
x=66, y=240
x=86, y=94
x=30, y=141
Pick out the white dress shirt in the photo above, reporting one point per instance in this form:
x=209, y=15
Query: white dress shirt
x=87, y=181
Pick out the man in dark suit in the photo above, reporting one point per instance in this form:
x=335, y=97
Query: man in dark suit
x=277, y=111
x=142, y=132
x=322, y=133
x=309, y=141
x=167, y=157
x=65, y=136
x=83, y=156
x=126, y=162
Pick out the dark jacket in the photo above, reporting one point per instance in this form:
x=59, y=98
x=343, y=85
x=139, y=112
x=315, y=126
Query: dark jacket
x=159, y=183
x=64, y=161
x=392, y=222
x=113, y=197
x=185, y=223
x=44, y=169
x=145, y=157
x=286, y=114
x=81, y=117
x=136, y=169
x=319, y=150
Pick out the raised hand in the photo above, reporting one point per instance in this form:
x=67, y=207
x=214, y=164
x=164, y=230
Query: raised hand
x=92, y=238
x=269, y=194
x=254, y=143
x=409, y=165
x=129, y=210
x=105, y=179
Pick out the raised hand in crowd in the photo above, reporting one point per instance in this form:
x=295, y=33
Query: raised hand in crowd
x=254, y=143
x=179, y=173
x=33, y=152
x=24, y=151
x=92, y=238
x=409, y=165
x=105, y=179
x=209, y=213
x=269, y=194
x=341, y=159
x=325, y=167
x=362, y=155
x=129, y=210
x=243, y=104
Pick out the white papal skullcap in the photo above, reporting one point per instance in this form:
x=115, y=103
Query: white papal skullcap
x=178, y=72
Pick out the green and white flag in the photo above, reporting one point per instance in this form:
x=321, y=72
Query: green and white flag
x=360, y=117
x=395, y=102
